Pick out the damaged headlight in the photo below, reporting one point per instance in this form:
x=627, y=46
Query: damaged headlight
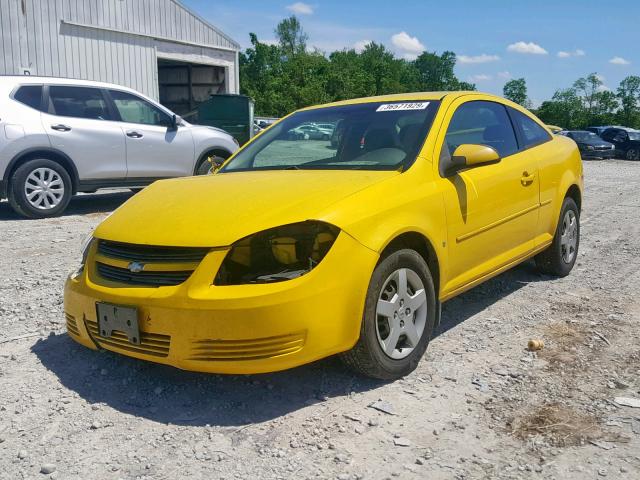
x=278, y=254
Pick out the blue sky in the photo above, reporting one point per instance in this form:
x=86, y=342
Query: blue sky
x=549, y=43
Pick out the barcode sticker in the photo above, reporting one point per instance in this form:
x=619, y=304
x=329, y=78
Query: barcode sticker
x=392, y=107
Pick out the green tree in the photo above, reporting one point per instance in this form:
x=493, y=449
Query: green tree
x=436, y=72
x=564, y=109
x=628, y=94
x=291, y=36
x=516, y=91
x=588, y=88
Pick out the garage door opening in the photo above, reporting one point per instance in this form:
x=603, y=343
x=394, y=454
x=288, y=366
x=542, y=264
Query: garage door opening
x=185, y=85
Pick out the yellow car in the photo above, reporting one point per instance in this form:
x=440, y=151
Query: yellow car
x=297, y=249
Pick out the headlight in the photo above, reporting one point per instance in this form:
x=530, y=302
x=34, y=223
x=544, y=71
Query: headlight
x=86, y=246
x=590, y=147
x=278, y=254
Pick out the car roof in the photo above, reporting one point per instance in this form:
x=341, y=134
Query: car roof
x=11, y=80
x=402, y=97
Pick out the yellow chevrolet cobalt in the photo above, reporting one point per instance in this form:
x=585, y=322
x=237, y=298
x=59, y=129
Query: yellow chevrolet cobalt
x=339, y=230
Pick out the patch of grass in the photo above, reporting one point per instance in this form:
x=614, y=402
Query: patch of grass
x=560, y=426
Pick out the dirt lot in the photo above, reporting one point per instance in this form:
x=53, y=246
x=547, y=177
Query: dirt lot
x=479, y=405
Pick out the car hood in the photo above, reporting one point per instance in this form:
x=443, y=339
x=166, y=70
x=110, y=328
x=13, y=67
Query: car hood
x=595, y=143
x=217, y=210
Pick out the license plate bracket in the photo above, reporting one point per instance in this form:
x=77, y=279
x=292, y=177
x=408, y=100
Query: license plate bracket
x=117, y=317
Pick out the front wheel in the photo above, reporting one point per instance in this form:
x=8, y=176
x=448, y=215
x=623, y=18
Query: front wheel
x=209, y=164
x=399, y=316
x=633, y=154
x=560, y=257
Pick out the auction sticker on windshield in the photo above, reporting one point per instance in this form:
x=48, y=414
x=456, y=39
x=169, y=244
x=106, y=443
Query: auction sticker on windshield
x=392, y=107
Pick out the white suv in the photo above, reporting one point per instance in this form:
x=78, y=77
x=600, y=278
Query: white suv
x=62, y=136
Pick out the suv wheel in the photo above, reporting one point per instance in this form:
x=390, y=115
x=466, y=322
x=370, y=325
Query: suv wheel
x=208, y=163
x=399, y=316
x=633, y=154
x=40, y=188
x=560, y=257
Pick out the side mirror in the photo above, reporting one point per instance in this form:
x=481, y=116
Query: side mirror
x=176, y=120
x=471, y=155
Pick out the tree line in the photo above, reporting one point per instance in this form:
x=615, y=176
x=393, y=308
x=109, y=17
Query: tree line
x=285, y=76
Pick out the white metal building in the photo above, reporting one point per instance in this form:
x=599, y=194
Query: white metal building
x=158, y=47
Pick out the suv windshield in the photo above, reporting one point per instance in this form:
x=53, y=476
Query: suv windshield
x=368, y=136
x=634, y=136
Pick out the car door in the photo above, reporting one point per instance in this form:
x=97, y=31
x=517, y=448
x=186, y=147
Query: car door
x=154, y=148
x=79, y=123
x=618, y=137
x=492, y=210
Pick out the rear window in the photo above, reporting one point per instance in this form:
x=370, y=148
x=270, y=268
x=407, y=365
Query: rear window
x=30, y=95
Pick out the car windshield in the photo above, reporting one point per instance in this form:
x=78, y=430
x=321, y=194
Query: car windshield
x=634, y=136
x=367, y=136
x=583, y=136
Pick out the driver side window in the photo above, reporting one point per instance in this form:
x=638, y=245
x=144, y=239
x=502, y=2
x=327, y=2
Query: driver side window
x=133, y=109
x=481, y=123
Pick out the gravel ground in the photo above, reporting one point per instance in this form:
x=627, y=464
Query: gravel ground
x=478, y=406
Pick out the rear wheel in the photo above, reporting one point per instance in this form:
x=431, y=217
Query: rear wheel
x=560, y=257
x=40, y=188
x=399, y=316
x=633, y=154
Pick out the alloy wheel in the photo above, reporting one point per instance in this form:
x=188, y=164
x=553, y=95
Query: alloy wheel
x=44, y=188
x=633, y=154
x=401, y=313
x=569, y=236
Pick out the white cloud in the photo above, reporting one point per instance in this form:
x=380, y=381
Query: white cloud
x=300, y=8
x=527, y=47
x=360, y=44
x=576, y=53
x=601, y=77
x=483, y=58
x=504, y=75
x=603, y=88
x=481, y=77
x=407, y=43
x=619, y=61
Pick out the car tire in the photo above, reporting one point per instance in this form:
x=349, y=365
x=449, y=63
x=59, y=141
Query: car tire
x=633, y=154
x=560, y=257
x=204, y=167
x=40, y=188
x=369, y=356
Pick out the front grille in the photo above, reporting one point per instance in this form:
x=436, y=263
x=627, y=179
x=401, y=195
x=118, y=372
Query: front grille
x=253, y=349
x=148, y=253
x=149, y=279
x=72, y=326
x=153, y=344
x=181, y=259
x=603, y=148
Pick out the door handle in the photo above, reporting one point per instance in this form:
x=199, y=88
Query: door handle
x=527, y=178
x=60, y=128
x=134, y=134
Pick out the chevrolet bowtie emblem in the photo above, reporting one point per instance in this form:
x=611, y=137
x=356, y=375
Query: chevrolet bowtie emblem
x=135, y=267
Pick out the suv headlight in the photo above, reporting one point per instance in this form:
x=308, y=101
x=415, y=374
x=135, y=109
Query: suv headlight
x=590, y=147
x=278, y=254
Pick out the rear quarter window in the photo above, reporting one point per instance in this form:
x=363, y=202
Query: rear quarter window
x=532, y=133
x=30, y=95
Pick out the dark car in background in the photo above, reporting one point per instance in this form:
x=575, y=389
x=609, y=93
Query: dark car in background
x=626, y=141
x=591, y=145
x=598, y=130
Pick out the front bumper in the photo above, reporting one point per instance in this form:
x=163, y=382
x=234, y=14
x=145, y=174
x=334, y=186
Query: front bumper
x=604, y=154
x=233, y=329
